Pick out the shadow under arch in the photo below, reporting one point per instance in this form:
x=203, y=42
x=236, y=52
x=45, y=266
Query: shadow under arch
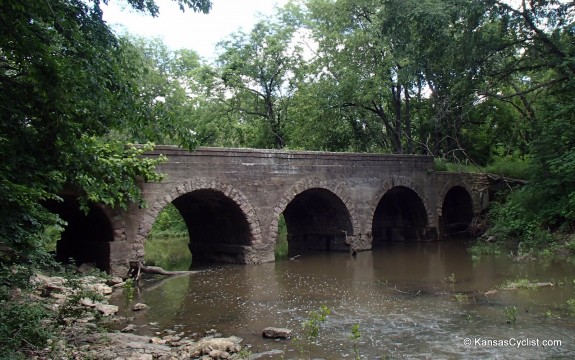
x=222, y=224
x=318, y=216
x=456, y=211
x=86, y=237
x=400, y=213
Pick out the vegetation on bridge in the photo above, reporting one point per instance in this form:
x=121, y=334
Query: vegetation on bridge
x=475, y=82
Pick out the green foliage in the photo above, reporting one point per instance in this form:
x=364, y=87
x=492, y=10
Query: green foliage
x=167, y=243
x=163, y=79
x=354, y=337
x=22, y=323
x=282, y=246
x=170, y=252
x=244, y=353
x=450, y=279
x=511, y=314
x=440, y=164
x=66, y=82
x=518, y=222
x=22, y=327
x=73, y=310
x=507, y=166
x=67, y=86
x=258, y=73
x=481, y=247
x=312, y=326
x=461, y=298
x=519, y=284
x=169, y=223
x=129, y=293
x=511, y=166
x=571, y=307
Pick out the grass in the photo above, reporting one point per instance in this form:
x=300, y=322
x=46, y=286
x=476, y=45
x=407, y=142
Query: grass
x=510, y=167
x=507, y=166
x=519, y=284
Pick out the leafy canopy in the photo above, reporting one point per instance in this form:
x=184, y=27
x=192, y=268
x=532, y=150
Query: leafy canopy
x=65, y=83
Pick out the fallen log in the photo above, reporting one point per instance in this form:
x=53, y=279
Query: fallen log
x=160, y=271
x=137, y=268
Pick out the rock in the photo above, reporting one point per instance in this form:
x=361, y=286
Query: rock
x=60, y=298
x=491, y=292
x=170, y=339
x=42, y=280
x=213, y=333
x=157, y=340
x=106, y=310
x=99, y=288
x=86, y=319
x=141, y=357
x=115, y=281
x=206, y=345
x=47, y=285
x=87, y=267
x=276, y=333
x=87, y=302
x=219, y=354
x=140, y=306
x=128, y=328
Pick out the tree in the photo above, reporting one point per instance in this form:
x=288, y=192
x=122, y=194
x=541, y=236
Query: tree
x=163, y=84
x=258, y=73
x=542, y=74
x=63, y=87
x=396, y=69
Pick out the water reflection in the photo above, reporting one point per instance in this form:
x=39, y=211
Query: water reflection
x=403, y=297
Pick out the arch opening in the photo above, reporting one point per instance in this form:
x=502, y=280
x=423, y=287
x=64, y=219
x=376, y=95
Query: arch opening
x=218, y=228
x=400, y=215
x=86, y=237
x=167, y=243
x=317, y=220
x=457, y=212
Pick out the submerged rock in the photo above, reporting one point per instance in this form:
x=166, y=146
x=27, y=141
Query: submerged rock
x=139, y=306
x=276, y=333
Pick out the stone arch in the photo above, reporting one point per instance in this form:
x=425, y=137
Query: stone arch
x=414, y=188
x=461, y=209
x=338, y=189
x=87, y=236
x=450, y=185
x=228, y=191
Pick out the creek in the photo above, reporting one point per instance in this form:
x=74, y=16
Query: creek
x=411, y=300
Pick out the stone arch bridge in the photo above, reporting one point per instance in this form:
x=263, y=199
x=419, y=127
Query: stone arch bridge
x=232, y=200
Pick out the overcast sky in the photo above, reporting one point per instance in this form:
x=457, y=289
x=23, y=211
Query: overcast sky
x=190, y=30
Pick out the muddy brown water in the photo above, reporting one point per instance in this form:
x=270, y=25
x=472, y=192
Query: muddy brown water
x=412, y=301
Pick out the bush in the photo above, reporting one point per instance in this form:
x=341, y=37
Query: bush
x=511, y=166
x=22, y=326
x=519, y=222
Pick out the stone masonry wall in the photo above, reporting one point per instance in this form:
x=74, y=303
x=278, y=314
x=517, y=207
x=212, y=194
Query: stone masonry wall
x=263, y=182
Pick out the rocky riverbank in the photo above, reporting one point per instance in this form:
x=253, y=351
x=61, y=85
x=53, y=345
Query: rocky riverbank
x=83, y=316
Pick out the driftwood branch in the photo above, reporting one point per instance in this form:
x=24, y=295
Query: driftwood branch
x=508, y=180
x=138, y=267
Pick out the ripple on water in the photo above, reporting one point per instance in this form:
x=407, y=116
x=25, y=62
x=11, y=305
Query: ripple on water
x=403, y=310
